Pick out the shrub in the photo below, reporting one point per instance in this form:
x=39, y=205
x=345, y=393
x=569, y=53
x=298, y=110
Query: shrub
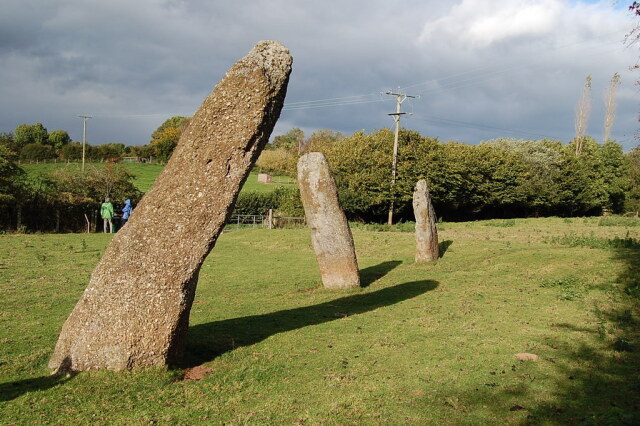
x=277, y=161
x=65, y=199
x=10, y=176
x=37, y=152
x=289, y=202
x=72, y=151
x=286, y=201
x=255, y=203
x=110, y=151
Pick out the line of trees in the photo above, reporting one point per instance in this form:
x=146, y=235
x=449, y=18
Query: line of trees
x=32, y=142
x=497, y=178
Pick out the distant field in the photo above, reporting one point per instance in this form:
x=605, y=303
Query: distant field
x=421, y=344
x=146, y=174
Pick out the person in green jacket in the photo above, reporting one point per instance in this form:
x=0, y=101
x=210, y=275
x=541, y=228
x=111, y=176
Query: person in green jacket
x=106, y=211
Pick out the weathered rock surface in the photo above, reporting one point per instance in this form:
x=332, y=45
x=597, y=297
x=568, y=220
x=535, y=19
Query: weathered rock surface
x=426, y=233
x=330, y=234
x=135, y=310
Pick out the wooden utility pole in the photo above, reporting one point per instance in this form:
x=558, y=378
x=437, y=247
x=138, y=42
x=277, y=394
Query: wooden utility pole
x=400, y=98
x=84, y=136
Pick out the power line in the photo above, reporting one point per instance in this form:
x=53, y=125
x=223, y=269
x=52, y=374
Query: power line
x=478, y=126
x=330, y=103
x=451, y=82
x=329, y=99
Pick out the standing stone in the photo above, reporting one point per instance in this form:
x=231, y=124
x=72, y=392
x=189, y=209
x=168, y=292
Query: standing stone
x=426, y=233
x=135, y=310
x=330, y=234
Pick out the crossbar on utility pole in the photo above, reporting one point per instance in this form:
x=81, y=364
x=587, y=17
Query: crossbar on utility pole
x=400, y=98
x=84, y=135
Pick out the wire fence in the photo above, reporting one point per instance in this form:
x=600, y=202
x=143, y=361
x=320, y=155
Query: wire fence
x=150, y=160
x=269, y=221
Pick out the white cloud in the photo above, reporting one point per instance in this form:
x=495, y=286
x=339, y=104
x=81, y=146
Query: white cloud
x=482, y=23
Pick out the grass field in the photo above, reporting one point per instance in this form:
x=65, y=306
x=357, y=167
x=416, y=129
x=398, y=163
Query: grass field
x=145, y=174
x=419, y=344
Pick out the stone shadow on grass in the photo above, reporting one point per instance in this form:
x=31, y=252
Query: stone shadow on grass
x=12, y=390
x=207, y=341
x=444, y=246
x=373, y=273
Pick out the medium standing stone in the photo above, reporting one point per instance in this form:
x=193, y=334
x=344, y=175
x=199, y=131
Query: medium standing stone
x=330, y=234
x=426, y=233
x=135, y=310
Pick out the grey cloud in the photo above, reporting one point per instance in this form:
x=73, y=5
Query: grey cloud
x=134, y=64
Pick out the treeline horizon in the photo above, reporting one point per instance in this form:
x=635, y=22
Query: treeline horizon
x=500, y=178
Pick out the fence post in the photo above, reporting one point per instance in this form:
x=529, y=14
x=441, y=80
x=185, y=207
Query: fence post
x=270, y=219
x=18, y=217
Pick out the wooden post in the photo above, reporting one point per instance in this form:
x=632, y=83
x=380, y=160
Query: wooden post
x=19, y=217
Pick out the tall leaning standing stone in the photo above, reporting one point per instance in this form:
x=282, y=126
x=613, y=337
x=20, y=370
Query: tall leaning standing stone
x=135, y=310
x=330, y=234
x=426, y=233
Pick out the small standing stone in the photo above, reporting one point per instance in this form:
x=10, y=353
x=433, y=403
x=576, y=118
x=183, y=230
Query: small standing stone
x=426, y=233
x=330, y=233
x=135, y=310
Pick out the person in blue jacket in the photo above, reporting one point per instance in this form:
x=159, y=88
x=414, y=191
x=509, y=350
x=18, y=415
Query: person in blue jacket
x=126, y=211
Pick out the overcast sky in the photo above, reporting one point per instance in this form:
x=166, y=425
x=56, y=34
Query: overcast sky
x=481, y=68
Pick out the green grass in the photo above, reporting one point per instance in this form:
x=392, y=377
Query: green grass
x=252, y=184
x=379, y=227
x=500, y=223
x=145, y=174
x=420, y=344
x=619, y=221
x=597, y=242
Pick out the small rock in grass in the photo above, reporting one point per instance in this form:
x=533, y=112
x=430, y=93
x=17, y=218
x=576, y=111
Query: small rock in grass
x=527, y=357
